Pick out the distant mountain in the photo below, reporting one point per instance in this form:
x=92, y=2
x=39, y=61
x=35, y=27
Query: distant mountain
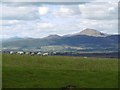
x=87, y=39
x=12, y=39
x=54, y=36
x=91, y=32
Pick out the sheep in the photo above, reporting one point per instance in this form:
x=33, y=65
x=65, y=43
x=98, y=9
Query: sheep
x=27, y=53
x=84, y=57
x=32, y=53
x=45, y=54
x=12, y=52
x=39, y=53
x=20, y=52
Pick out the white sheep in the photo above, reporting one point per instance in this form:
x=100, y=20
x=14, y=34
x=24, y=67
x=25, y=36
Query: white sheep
x=45, y=54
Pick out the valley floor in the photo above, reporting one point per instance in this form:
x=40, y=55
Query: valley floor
x=24, y=71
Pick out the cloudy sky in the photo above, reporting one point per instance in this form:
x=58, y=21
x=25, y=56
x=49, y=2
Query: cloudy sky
x=37, y=19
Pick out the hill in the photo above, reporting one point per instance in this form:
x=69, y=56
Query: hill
x=91, y=32
x=87, y=39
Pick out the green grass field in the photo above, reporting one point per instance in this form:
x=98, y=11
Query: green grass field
x=23, y=71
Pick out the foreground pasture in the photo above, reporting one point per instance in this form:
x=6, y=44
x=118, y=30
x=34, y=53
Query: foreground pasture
x=24, y=71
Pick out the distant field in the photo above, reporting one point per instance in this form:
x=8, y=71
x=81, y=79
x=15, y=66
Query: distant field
x=23, y=71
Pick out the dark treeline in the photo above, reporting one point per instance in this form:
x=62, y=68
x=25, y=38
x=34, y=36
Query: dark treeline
x=104, y=55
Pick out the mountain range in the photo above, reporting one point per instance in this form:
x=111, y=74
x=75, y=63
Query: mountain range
x=88, y=39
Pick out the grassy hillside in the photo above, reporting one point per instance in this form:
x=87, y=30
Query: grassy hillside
x=57, y=71
x=109, y=43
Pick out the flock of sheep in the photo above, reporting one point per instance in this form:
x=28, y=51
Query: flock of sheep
x=29, y=53
x=36, y=53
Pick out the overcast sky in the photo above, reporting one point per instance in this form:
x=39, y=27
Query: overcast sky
x=42, y=19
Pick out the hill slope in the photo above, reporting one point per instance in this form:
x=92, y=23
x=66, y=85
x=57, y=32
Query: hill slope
x=77, y=40
x=91, y=32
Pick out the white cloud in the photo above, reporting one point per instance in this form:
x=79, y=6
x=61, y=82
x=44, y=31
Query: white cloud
x=9, y=22
x=106, y=1
x=60, y=0
x=44, y=25
x=67, y=10
x=43, y=10
x=101, y=10
x=46, y=0
x=23, y=20
x=21, y=12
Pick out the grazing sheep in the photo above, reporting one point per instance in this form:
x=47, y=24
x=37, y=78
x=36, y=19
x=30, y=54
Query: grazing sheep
x=39, y=53
x=32, y=54
x=20, y=52
x=45, y=54
x=27, y=53
x=12, y=52
x=85, y=57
